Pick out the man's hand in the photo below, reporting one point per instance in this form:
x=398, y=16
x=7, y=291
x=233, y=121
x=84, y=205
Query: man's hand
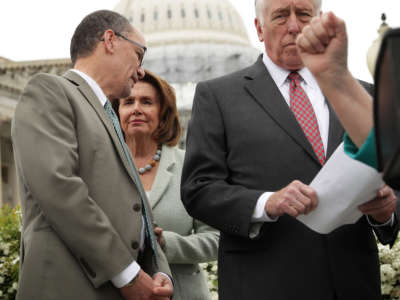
x=163, y=288
x=322, y=46
x=382, y=207
x=142, y=289
x=295, y=199
x=146, y=288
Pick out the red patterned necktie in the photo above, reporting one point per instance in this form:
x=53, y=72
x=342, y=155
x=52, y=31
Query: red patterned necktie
x=304, y=113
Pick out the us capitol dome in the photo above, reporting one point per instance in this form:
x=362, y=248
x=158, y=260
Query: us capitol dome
x=190, y=40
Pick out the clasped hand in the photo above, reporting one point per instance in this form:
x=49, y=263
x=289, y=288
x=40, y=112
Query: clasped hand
x=382, y=206
x=146, y=288
x=294, y=199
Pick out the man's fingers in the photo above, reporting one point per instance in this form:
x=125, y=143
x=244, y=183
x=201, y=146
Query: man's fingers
x=304, y=44
x=158, y=230
x=385, y=197
x=163, y=291
x=162, y=286
x=290, y=210
x=377, y=205
x=306, y=195
x=385, y=191
x=335, y=26
x=373, y=204
x=299, y=205
x=314, y=39
x=320, y=32
x=311, y=194
x=329, y=21
x=302, y=198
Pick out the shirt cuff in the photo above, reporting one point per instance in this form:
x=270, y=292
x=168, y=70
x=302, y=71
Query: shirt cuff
x=389, y=222
x=126, y=275
x=259, y=214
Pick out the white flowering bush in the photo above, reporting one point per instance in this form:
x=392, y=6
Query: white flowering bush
x=10, y=234
x=211, y=270
x=390, y=270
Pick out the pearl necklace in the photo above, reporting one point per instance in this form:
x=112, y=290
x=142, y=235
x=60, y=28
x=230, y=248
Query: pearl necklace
x=152, y=164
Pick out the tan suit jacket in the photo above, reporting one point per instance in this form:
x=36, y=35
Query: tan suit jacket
x=188, y=241
x=81, y=224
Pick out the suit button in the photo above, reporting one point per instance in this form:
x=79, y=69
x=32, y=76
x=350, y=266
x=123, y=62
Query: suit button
x=135, y=245
x=137, y=207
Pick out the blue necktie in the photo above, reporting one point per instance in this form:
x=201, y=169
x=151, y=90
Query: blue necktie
x=145, y=209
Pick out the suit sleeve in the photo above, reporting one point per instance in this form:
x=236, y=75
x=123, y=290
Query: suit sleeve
x=198, y=247
x=206, y=190
x=387, y=234
x=47, y=154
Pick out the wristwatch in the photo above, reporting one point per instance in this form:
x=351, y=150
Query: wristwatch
x=132, y=282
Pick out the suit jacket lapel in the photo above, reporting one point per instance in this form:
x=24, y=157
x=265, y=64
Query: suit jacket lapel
x=336, y=132
x=260, y=85
x=163, y=176
x=90, y=96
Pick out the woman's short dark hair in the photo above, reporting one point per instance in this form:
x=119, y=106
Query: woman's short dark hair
x=89, y=31
x=169, y=129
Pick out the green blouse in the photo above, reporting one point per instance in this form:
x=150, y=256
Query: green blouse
x=367, y=152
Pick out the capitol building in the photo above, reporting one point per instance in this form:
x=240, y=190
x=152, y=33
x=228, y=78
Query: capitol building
x=188, y=41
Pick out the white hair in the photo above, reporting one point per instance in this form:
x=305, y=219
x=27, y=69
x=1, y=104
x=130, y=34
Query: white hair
x=259, y=7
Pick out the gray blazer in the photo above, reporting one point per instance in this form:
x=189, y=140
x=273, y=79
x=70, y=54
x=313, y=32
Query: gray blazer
x=80, y=205
x=188, y=241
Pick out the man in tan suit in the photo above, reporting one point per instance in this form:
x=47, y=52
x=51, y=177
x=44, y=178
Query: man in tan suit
x=85, y=224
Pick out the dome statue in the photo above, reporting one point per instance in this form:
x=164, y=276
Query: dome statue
x=190, y=40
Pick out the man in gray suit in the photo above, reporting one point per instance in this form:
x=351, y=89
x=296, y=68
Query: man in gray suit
x=86, y=231
x=257, y=137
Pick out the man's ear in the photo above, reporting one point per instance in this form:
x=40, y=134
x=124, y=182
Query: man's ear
x=109, y=39
x=259, y=29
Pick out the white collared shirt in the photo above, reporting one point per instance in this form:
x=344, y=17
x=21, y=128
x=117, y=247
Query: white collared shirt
x=94, y=86
x=310, y=86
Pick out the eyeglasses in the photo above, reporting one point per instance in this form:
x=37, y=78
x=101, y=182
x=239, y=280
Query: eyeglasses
x=141, y=55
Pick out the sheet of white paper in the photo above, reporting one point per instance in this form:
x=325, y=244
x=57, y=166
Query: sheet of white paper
x=342, y=185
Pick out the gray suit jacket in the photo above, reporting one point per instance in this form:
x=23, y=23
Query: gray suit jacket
x=188, y=241
x=81, y=224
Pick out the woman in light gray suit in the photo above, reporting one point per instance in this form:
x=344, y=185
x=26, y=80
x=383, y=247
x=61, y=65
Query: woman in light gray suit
x=149, y=120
